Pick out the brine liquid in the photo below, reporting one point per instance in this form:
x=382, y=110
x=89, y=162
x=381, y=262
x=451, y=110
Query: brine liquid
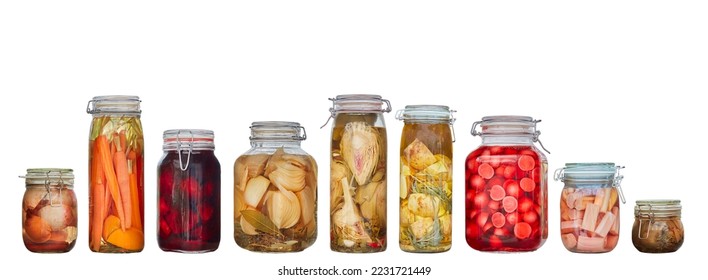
x=275, y=201
x=116, y=200
x=506, y=199
x=589, y=219
x=358, y=184
x=189, y=216
x=426, y=188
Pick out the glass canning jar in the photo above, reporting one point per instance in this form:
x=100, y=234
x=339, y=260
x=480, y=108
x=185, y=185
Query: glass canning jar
x=657, y=226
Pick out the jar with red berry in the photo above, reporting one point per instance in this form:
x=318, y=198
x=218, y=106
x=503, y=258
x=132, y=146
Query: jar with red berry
x=506, y=186
x=590, y=206
x=189, y=192
x=275, y=190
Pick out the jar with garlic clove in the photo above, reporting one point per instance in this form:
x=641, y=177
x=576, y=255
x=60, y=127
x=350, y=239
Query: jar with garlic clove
x=275, y=190
x=358, y=174
x=426, y=178
x=49, y=217
x=590, y=206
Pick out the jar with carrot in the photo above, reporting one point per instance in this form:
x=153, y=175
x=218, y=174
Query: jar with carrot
x=49, y=217
x=506, y=187
x=116, y=175
x=590, y=206
x=189, y=193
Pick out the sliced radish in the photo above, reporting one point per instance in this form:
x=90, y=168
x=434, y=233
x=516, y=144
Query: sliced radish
x=498, y=219
x=486, y=171
x=522, y=230
x=509, y=203
x=497, y=193
x=526, y=163
x=527, y=184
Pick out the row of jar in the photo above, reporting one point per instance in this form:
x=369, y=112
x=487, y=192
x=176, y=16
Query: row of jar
x=275, y=188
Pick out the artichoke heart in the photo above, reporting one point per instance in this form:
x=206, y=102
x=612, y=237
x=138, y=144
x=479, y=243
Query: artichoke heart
x=423, y=205
x=418, y=155
x=373, y=204
x=337, y=173
x=360, y=150
x=283, y=208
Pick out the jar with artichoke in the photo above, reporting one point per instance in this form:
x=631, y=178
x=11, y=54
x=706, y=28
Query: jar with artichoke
x=275, y=190
x=358, y=174
x=426, y=178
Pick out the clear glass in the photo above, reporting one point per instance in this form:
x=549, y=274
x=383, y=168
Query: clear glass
x=589, y=207
x=189, y=193
x=358, y=175
x=49, y=215
x=426, y=179
x=275, y=191
x=657, y=226
x=506, y=188
x=116, y=200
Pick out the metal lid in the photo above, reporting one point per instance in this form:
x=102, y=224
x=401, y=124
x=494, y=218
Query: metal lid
x=661, y=208
x=277, y=130
x=357, y=103
x=114, y=104
x=592, y=175
x=62, y=177
x=426, y=113
x=508, y=125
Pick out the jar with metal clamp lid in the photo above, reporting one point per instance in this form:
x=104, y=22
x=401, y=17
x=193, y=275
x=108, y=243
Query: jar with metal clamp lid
x=589, y=207
x=275, y=190
x=189, y=193
x=358, y=174
x=657, y=226
x=506, y=180
x=426, y=178
x=49, y=220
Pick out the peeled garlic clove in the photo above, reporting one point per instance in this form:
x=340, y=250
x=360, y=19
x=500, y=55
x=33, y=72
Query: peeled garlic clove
x=307, y=204
x=239, y=203
x=419, y=156
x=360, y=150
x=247, y=228
x=423, y=205
x=283, y=208
x=255, y=189
x=288, y=175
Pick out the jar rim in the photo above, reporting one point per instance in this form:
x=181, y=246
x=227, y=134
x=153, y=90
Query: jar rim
x=359, y=103
x=658, y=202
x=51, y=173
x=115, y=104
x=506, y=125
x=189, y=135
x=277, y=130
x=426, y=112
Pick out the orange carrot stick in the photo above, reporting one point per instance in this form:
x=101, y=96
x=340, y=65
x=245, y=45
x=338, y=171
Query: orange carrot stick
x=122, y=139
x=135, y=201
x=97, y=199
x=111, y=179
x=121, y=165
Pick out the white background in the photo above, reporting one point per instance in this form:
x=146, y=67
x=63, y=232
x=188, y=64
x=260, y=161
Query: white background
x=613, y=81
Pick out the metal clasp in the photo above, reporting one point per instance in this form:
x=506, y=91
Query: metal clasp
x=189, y=152
x=304, y=134
x=641, y=220
x=452, y=127
x=91, y=107
x=559, y=174
x=536, y=134
x=617, y=183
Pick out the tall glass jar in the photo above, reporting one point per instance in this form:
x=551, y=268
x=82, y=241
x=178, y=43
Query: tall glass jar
x=589, y=206
x=49, y=217
x=189, y=193
x=116, y=175
x=275, y=190
x=426, y=178
x=358, y=174
x=657, y=226
x=506, y=180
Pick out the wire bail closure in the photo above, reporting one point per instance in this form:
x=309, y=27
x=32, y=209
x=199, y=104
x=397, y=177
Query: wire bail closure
x=535, y=138
x=189, y=152
x=333, y=112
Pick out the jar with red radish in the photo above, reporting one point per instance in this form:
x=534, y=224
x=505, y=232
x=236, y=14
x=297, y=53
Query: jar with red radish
x=506, y=186
x=189, y=193
x=589, y=206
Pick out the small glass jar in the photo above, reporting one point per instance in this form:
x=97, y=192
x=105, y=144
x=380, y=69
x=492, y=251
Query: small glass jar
x=358, y=174
x=189, y=193
x=426, y=178
x=589, y=207
x=49, y=217
x=657, y=226
x=506, y=179
x=275, y=190
x=116, y=200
